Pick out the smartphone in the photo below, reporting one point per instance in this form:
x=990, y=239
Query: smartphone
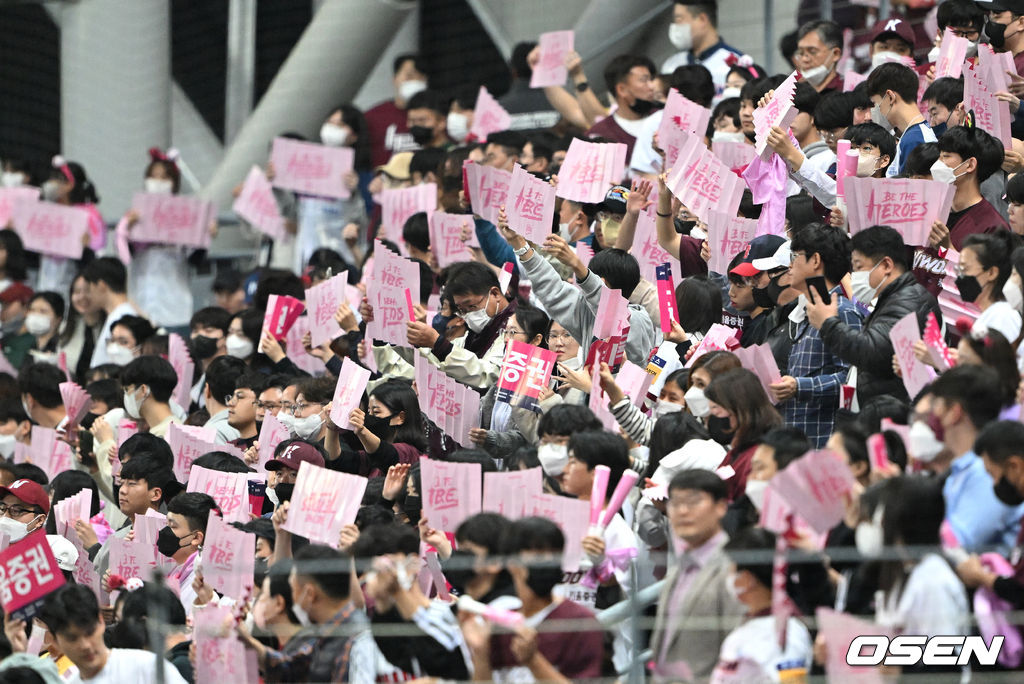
x=817, y=283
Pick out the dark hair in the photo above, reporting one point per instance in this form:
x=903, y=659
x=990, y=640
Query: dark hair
x=107, y=391
x=416, y=231
x=399, y=396
x=537, y=535
x=740, y=393
x=564, y=420
x=619, y=268
x=72, y=605
x=137, y=605
x=519, y=63
x=707, y=8
x=512, y=142
x=830, y=33
x=108, y=270
x=729, y=107
x=714, y=363
x=1015, y=188
x=383, y=540
x=700, y=480
x=899, y=78
x=30, y=471
x=805, y=99
x=427, y=160
x=227, y=281
x=995, y=351
x=195, y=507
x=211, y=317
x=600, y=447
x=750, y=539
x=41, y=381
x=151, y=469
x=353, y=118
x=82, y=191
x=960, y=14
x=831, y=111
x=428, y=99
x=993, y=250
x=534, y=322
x=617, y=70
x=999, y=440
x=470, y=278
x=221, y=375
x=855, y=441
x=278, y=574
x=140, y=328
x=878, y=242
x=874, y=134
x=222, y=461
x=800, y=212
x=670, y=432
x=693, y=81
x=65, y=485
x=155, y=372
x=327, y=568
x=946, y=91
x=971, y=387
x=750, y=73
x=919, y=161
x=789, y=443
x=487, y=464
x=146, y=444
x=252, y=323
x=170, y=168
x=275, y=281
x=699, y=303
x=23, y=674
x=257, y=382
x=417, y=63
x=974, y=142
x=54, y=300
x=830, y=243
x=16, y=267
x=483, y=529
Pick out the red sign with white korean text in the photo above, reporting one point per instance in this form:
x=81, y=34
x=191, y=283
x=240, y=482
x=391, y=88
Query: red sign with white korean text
x=525, y=371
x=311, y=169
x=28, y=572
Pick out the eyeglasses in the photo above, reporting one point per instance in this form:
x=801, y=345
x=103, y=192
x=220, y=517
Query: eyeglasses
x=559, y=337
x=794, y=255
x=691, y=501
x=295, y=408
x=828, y=136
x=959, y=270
x=461, y=310
x=269, y=405
x=236, y=397
x=807, y=52
x=512, y=332
x=17, y=511
x=969, y=34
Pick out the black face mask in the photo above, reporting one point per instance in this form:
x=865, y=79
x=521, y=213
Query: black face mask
x=461, y=571
x=422, y=135
x=644, y=107
x=685, y=227
x=542, y=580
x=719, y=430
x=1007, y=493
x=413, y=508
x=380, y=426
x=284, y=492
x=775, y=290
x=969, y=288
x=168, y=543
x=996, y=34
x=762, y=298
x=260, y=567
x=204, y=347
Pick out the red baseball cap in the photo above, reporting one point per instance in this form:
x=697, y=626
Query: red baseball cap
x=758, y=248
x=896, y=26
x=29, y=492
x=16, y=292
x=295, y=454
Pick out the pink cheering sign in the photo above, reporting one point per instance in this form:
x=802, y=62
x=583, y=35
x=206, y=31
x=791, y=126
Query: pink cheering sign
x=952, y=55
x=323, y=301
x=758, y=358
x=11, y=196
x=68, y=510
x=451, y=492
x=147, y=527
x=990, y=114
x=385, y=290
x=452, y=406
x=50, y=453
x=571, y=515
x=229, y=555
x=735, y=155
x=915, y=373
x=728, y=235
x=28, y=572
x=634, y=382
x=446, y=237
x=530, y=205
x=702, y=182
x=397, y=205
x=311, y=169
x=220, y=656
x=666, y=298
x=590, y=170
x=229, y=490
x=184, y=367
x=506, y=493
x=777, y=112
x=272, y=433
x=323, y=502
x=814, y=486
x=77, y=403
x=188, y=444
x=910, y=206
x=940, y=354
x=282, y=312
x=525, y=371
x=680, y=118
x=172, y=219
x=348, y=392
x=718, y=338
x=993, y=66
x=51, y=229
x=550, y=69
x=838, y=630
x=646, y=250
x=257, y=205
x=488, y=116
x=490, y=190
x=130, y=559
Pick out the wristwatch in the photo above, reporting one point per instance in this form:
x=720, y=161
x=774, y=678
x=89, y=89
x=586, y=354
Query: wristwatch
x=522, y=250
x=582, y=87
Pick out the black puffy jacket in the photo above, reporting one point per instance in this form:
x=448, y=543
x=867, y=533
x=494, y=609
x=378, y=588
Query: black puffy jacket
x=869, y=349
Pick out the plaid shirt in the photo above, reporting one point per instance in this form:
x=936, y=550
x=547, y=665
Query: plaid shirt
x=819, y=373
x=340, y=650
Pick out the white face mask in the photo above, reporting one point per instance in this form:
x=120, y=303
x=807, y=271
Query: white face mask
x=867, y=164
x=884, y=57
x=728, y=136
x=943, y=173
x=972, y=49
x=7, y=443
x=271, y=494
x=553, y=458
x=816, y=75
x=755, y=492
x=563, y=231
x=37, y=323
x=51, y=190
x=1013, y=295
x=458, y=126
x=302, y=428
x=879, y=118
x=730, y=586
x=861, y=284
x=681, y=35
x=11, y=179
x=301, y=614
x=933, y=54
x=664, y=408
x=409, y=88
x=333, y=135
x=869, y=537
x=478, y=320
x=730, y=93
x=158, y=186
x=133, y=406
x=15, y=529
x=119, y=354
x=697, y=402
x=239, y=346
x=924, y=446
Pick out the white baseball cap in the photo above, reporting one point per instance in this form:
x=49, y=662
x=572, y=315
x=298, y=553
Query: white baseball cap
x=781, y=259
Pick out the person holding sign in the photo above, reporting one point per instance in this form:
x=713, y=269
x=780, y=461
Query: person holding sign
x=893, y=88
x=390, y=430
x=187, y=514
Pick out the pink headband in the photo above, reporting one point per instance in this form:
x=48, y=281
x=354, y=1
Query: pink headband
x=60, y=163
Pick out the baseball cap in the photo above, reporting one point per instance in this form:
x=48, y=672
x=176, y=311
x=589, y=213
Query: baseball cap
x=759, y=248
x=63, y=551
x=16, y=292
x=782, y=258
x=897, y=26
x=615, y=200
x=1015, y=6
x=28, y=492
x=398, y=166
x=261, y=527
x=295, y=454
